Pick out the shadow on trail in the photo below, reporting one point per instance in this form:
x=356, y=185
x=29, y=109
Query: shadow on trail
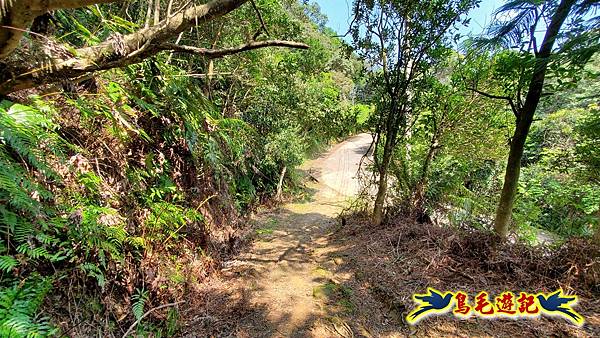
x=287, y=282
x=361, y=150
x=285, y=286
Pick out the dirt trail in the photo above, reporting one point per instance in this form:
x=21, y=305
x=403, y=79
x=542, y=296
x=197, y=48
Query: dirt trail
x=304, y=275
x=287, y=271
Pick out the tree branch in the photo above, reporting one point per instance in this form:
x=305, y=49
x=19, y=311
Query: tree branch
x=18, y=15
x=219, y=53
x=120, y=50
x=498, y=97
x=263, y=27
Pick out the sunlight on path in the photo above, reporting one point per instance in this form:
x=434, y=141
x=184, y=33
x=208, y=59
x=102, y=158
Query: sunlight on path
x=284, y=267
x=336, y=170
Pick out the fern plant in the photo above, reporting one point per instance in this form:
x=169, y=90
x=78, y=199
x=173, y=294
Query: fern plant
x=28, y=219
x=139, y=300
x=19, y=304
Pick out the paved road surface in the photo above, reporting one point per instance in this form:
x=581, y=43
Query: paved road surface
x=336, y=170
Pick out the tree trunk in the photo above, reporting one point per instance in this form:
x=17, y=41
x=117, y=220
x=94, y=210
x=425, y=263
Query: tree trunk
x=280, y=184
x=14, y=22
x=388, y=150
x=511, y=177
x=148, y=15
x=525, y=118
x=156, y=12
x=418, y=194
x=19, y=14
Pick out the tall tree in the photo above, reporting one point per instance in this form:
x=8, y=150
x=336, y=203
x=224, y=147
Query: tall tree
x=53, y=62
x=402, y=40
x=570, y=39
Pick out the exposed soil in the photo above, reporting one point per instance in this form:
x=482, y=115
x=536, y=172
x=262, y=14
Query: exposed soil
x=284, y=284
x=309, y=274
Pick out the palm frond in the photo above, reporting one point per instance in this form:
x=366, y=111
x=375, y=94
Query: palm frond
x=579, y=48
x=512, y=20
x=588, y=6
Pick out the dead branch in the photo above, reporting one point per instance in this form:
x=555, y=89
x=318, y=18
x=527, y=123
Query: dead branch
x=219, y=53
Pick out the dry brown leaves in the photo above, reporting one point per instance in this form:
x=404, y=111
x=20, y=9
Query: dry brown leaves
x=403, y=257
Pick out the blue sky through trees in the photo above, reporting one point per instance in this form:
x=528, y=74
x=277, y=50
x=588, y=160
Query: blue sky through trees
x=339, y=14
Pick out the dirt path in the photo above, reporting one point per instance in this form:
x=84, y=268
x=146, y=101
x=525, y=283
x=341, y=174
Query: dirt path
x=306, y=276
x=289, y=287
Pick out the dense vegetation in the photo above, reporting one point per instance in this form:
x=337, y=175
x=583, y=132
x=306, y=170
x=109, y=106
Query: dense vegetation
x=124, y=187
x=136, y=136
x=446, y=107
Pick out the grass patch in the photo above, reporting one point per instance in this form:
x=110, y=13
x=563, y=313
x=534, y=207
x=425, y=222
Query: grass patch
x=268, y=228
x=338, y=297
x=321, y=272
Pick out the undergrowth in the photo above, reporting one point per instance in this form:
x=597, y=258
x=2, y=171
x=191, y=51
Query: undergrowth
x=92, y=189
x=121, y=191
x=392, y=262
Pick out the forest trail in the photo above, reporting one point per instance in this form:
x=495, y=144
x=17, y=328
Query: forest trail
x=286, y=273
x=304, y=275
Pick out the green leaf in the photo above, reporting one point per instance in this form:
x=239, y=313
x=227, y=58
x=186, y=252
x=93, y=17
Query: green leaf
x=7, y=263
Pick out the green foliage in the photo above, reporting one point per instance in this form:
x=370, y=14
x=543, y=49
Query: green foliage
x=285, y=148
x=100, y=232
x=403, y=58
x=559, y=185
x=438, y=166
x=587, y=147
x=560, y=191
x=19, y=304
x=361, y=113
x=570, y=40
x=37, y=231
x=149, y=148
x=166, y=221
x=139, y=300
x=177, y=136
x=28, y=220
x=517, y=21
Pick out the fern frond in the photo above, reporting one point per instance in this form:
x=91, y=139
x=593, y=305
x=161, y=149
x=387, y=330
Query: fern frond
x=94, y=271
x=19, y=304
x=139, y=300
x=7, y=263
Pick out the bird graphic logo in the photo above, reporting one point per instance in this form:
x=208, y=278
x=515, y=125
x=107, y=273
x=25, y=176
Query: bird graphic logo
x=558, y=304
x=505, y=304
x=432, y=302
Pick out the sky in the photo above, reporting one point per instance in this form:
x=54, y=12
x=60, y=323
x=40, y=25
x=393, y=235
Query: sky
x=339, y=14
